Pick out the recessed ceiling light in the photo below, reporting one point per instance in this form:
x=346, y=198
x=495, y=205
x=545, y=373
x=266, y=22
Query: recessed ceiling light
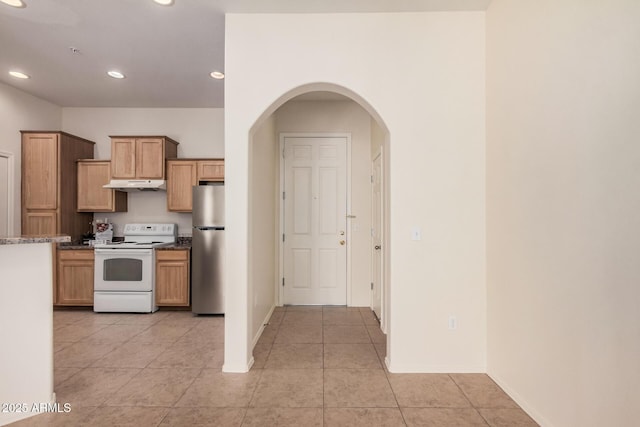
x=14, y=3
x=164, y=2
x=18, y=75
x=217, y=75
x=115, y=74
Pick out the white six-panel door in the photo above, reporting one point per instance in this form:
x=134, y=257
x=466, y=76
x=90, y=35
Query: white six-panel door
x=315, y=208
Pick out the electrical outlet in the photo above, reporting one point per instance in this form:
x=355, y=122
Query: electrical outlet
x=453, y=322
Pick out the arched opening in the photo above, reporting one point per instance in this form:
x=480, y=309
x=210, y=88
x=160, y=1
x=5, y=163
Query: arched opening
x=318, y=110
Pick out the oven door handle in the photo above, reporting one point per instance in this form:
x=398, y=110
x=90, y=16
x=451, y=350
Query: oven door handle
x=118, y=253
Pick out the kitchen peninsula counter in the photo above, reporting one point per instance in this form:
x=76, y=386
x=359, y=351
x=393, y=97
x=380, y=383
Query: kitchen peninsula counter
x=34, y=239
x=26, y=313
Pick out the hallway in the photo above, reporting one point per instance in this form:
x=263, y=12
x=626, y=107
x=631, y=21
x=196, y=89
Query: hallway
x=314, y=366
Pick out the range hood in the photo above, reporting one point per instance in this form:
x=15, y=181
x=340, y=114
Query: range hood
x=137, y=184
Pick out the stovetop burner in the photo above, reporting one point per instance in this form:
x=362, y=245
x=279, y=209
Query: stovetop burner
x=143, y=236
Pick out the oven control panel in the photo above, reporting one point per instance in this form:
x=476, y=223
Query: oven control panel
x=150, y=229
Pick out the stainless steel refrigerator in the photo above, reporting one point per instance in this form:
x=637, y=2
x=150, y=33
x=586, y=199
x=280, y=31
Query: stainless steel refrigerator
x=207, y=250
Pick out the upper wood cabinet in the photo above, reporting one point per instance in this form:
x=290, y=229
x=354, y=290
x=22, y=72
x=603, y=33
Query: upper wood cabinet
x=92, y=197
x=182, y=174
x=140, y=157
x=49, y=183
x=40, y=185
x=211, y=170
x=123, y=156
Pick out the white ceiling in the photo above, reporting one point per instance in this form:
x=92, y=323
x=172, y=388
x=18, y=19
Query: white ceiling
x=166, y=53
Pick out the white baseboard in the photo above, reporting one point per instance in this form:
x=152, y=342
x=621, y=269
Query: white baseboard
x=521, y=401
x=231, y=368
x=265, y=321
x=433, y=369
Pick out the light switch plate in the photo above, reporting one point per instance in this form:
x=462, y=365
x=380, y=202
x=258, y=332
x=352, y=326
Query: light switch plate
x=416, y=234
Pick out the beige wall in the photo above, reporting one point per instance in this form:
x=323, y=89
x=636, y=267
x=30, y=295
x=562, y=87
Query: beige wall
x=263, y=227
x=345, y=117
x=433, y=106
x=200, y=132
x=21, y=111
x=563, y=208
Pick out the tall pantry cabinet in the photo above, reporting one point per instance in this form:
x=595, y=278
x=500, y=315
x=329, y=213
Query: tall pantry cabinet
x=49, y=183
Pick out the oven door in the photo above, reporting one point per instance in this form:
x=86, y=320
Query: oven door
x=124, y=270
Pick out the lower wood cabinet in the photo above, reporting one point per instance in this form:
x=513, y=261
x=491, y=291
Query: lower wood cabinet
x=172, y=277
x=74, y=277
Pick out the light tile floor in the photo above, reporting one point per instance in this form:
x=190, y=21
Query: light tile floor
x=314, y=366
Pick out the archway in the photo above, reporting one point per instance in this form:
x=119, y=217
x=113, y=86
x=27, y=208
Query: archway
x=264, y=276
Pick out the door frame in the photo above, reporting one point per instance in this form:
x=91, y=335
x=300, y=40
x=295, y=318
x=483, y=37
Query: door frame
x=280, y=204
x=380, y=155
x=10, y=189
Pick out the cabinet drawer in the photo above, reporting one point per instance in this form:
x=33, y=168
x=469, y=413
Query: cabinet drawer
x=172, y=255
x=72, y=255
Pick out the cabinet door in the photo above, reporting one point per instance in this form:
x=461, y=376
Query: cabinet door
x=38, y=223
x=123, y=158
x=40, y=171
x=181, y=176
x=150, y=158
x=75, y=277
x=91, y=196
x=211, y=170
x=172, y=278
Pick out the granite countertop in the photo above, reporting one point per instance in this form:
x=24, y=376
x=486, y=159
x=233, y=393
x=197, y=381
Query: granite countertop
x=33, y=239
x=180, y=245
x=177, y=246
x=73, y=246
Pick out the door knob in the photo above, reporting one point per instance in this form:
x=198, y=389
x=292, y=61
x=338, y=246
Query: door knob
x=377, y=247
x=342, y=242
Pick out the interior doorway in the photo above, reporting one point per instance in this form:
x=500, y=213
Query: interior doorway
x=316, y=110
x=6, y=194
x=377, y=224
x=314, y=175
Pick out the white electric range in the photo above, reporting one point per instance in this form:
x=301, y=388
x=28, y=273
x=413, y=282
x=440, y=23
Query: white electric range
x=124, y=275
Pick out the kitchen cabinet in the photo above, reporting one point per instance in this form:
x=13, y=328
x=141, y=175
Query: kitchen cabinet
x=75, y=277
x=141, y=157
x=49, y=182
x=92, y=197
x=211, y=170
x=172, y=277
x=182, y=174
x=40, y=223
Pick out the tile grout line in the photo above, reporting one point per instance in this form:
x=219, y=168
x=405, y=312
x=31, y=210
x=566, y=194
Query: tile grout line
x=468, y=399
x=386, y=375
x=182, y=395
